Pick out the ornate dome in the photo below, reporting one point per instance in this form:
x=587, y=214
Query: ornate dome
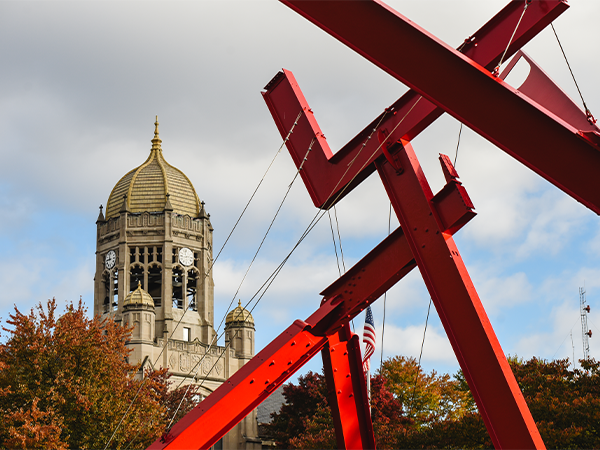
x=239, y=314
x=149, y=187
x=138, y=297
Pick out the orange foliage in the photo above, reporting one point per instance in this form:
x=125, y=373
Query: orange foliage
x=65, y=383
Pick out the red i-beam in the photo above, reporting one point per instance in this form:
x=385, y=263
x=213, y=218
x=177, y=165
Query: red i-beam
x=460, y=83
x=433, y=220
x=325, y=330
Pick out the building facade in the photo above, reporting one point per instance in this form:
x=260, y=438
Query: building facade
x=154, y=273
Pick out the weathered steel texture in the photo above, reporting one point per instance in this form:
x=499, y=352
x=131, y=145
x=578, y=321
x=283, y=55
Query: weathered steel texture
x=492, y=383
x=347, y=391
x=406, y=117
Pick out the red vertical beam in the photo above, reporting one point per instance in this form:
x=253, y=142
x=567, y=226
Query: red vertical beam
x=475, y=344
x=348, y=397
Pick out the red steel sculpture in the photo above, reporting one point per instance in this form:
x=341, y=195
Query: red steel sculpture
x=533, y=124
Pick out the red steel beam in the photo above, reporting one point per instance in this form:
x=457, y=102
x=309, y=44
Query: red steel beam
x=331, y=178
x=348, y=398
x=244, y=390
x=492, y=383
x=466, y=90
x=366, y=281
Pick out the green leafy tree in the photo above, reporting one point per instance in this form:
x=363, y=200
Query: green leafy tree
x=65, y=383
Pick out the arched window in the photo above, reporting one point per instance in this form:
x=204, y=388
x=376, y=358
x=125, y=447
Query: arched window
x=177, y=288
x=136, y=277
x=155, y=284
x=115, y=302
x=192, y=289
x=106, y=294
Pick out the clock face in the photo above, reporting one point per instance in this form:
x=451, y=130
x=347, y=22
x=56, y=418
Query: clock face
x=110, y=259
x=186, y=256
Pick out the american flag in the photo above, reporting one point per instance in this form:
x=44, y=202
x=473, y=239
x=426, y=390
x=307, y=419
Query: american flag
x=368, y=339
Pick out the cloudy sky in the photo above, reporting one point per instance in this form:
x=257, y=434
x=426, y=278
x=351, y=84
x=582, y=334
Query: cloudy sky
x=81, y=82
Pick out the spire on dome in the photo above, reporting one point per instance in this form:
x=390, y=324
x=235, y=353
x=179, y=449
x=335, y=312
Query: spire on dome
x=168, y=206
x=100, y=216
x=156, y=141
x=124, y=207
x=202, y=214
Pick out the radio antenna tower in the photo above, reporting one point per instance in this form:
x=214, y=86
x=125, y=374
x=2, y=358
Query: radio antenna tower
x=586, y=333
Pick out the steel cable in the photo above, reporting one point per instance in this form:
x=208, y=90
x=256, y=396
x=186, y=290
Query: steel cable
x=318, y=216
x=245, y=275
x=496, y=71
x=588, y=113
x=205, y=276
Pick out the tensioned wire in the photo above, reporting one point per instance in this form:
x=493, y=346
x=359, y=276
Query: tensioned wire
x=496, y=71
x=335, y=248
x=319, y=213
x=311, y=225
x=385, y=298
x=217, y=336
x=587, y=111
x=199, y=363
x=334, y=245
x=206, y=275
x=316, y=218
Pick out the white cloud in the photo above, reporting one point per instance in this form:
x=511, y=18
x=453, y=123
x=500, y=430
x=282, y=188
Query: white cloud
x=76, y=114
x=500, y=293
x=407, y=341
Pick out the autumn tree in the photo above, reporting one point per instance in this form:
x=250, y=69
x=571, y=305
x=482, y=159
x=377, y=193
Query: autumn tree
x=414, y=409
x=426, y=397
x=305, y=421
x=564, y=402
x=65, y=383
x=304, y=402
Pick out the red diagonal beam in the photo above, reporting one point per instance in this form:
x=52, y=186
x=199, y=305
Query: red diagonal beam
x=366, y=281
x=244, y=390
x=492, y=383
x=467, y=91
x=328, y=174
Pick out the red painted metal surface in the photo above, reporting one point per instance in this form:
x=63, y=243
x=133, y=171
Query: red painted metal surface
x=348, y=396
x=366, y=281
x=242, y=392
x=466, y=90
x=408, y=116
x=430, y=221
x=539, y=87
x=492, y=383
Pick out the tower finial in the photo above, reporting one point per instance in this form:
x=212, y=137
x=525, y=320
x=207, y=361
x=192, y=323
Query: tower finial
x=156, y=141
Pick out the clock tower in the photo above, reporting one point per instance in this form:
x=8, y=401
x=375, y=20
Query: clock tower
x=154, y=273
